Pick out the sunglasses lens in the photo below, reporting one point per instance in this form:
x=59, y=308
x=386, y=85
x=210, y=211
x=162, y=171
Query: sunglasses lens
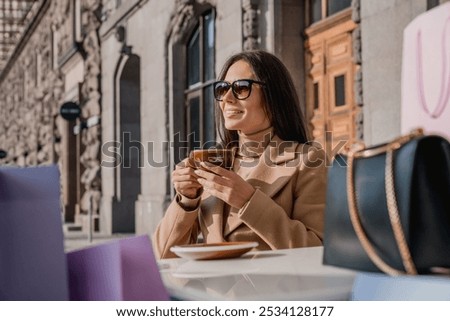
x=220, y=89
x=241, y=89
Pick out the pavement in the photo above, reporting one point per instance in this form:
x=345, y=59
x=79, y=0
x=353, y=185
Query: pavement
x=75, y=240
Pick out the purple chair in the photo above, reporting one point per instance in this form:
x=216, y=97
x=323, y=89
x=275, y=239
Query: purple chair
x=32, y=260
x=120, y=270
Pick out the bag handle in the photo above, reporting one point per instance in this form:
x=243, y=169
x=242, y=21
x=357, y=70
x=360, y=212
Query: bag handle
x=444, y=93
x=393, y=211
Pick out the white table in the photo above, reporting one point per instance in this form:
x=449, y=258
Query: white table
x=292, y=274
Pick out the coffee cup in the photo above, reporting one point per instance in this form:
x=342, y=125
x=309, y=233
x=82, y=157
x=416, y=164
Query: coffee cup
x=219, y=157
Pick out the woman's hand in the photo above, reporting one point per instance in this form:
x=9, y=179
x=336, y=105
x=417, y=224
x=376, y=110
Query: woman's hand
x=185, y=181
x=225, y=184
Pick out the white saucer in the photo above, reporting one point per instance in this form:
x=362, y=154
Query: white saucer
x=213, y=251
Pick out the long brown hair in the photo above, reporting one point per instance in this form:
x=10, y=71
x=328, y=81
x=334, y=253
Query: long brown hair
x=282, y=105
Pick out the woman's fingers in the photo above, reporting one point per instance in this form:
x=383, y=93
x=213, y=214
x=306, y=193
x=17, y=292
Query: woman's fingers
x=182, y=178
x=232, y=189
x=184, y=184
x=215, y=169
x=185, y=181
x=211, y=177
x=184, y=171
x=211, y=185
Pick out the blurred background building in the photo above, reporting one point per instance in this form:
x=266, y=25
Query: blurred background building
x=140, y=72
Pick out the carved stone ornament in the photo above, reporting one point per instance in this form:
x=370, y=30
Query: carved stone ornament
x=359, y=124
x=182, y=17
x=250, y=24
x=90, y=106
x=356, y=43
x=357, y=56
x=65, y=43
x=356, y=10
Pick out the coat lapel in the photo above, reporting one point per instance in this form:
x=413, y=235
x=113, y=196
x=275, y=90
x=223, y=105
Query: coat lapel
x=274, y=169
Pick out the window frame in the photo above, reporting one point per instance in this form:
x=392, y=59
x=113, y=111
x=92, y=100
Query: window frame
x=324, y=11
x=197, y=90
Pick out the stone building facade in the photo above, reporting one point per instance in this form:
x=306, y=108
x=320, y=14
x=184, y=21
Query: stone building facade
x=56, y=60
x=141, y=71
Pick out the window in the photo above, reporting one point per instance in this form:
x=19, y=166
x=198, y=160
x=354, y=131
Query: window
x=200, y=125
x=321, y=9
x=339, y=90
x=316, y=103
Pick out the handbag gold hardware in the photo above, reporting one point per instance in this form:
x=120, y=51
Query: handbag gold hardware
x=359, y=150
x=391, y=199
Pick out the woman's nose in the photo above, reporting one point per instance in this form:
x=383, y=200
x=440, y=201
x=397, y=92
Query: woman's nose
x=229, y=96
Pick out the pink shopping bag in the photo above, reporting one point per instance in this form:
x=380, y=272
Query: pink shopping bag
x=426, y=73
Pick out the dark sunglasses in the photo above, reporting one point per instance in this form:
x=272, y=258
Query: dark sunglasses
x=241, y=88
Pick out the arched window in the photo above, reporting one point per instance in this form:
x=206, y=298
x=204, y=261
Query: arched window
x=199, y=101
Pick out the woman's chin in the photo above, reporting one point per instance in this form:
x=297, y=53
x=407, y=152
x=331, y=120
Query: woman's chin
x=232, y=126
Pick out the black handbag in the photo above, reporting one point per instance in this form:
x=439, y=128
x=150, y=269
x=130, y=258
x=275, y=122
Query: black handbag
x=388, y=207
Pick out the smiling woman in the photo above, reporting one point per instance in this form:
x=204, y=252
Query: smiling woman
x=275, y=192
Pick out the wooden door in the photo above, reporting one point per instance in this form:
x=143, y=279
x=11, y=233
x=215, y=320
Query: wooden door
x=330, y=100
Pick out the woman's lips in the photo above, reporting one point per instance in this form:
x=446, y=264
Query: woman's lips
x=233, y=112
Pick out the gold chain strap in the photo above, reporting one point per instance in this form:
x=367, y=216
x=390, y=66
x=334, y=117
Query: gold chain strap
x=391, y=199
x=394, y=215
x=356, y=222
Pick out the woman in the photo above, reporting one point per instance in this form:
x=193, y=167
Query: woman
x=275, y=193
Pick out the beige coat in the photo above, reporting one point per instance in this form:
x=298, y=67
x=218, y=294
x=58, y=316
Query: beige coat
x=286, y=210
